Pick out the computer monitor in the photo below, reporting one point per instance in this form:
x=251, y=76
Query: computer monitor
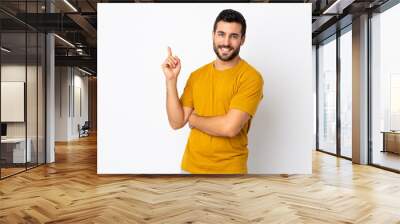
x=3, y=129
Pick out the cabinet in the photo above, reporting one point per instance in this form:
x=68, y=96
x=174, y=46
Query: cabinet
x=391, y=141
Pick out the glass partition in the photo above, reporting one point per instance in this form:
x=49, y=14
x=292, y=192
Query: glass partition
x=327, y=96
x=32, y=96
x=14, y=153
x=22, y=67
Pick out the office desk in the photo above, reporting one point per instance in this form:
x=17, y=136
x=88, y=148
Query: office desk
x=13, y=150
x=391, y=141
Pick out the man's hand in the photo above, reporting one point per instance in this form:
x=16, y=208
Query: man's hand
x=171, y=66
x=191, y=117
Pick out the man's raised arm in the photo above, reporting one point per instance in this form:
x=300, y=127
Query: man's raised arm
x=177, y=114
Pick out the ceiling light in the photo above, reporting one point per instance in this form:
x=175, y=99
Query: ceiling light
x=84, y=71
x=70, y=5
x=5, y=50
x=64, y=40
x=338, y=6
x=331, y=7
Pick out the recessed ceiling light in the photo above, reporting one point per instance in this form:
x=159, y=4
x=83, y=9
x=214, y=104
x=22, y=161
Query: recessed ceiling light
x=64, y=40
x=5, y=50
x=338, y=6
x=70, y=5
x=84, y=71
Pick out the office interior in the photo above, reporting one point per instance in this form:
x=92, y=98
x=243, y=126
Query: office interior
x=46, y=82
x=49, y=74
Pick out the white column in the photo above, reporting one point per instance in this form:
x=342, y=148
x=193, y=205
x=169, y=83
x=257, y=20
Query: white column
x=360, y=90
x=50, y=93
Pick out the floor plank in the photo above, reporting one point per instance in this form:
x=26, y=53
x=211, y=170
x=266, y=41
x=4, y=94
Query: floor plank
x=70, y=191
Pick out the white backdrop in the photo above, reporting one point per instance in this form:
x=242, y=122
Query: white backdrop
x=12, y=101
x=134, y=136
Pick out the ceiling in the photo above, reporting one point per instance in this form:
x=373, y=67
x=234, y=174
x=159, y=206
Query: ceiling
x=76, y=22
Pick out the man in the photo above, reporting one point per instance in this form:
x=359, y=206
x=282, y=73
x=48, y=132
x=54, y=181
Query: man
x=218, y=101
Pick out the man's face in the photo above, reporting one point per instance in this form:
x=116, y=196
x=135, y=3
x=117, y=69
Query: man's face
x=227, y=40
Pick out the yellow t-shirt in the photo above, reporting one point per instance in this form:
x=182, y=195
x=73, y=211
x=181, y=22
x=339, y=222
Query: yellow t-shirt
x=212, y=92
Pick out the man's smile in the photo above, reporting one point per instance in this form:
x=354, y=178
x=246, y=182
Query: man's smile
x=225, y=50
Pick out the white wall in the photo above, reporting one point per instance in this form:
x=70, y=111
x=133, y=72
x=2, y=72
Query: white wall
x=68, y=81
x=80, y=84
x=61, y=103
x=133, y=131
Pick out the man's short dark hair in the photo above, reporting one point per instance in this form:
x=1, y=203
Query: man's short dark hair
x=230, y=16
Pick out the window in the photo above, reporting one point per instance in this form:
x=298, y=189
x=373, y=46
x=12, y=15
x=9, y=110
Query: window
x=346, y=93
x=385, y=88
x=327, y=96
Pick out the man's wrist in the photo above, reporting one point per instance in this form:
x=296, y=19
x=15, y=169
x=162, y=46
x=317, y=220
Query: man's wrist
x=171, y=83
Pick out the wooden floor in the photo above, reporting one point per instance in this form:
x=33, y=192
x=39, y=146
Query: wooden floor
x=5, y=172
x=70, y=191
x=9, y=171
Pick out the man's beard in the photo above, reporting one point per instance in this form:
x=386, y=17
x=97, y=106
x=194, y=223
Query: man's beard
x=234, y=53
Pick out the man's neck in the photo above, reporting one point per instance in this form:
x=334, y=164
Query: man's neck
x=222, y=65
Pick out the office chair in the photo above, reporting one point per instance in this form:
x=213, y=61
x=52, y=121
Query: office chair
x=84, y=130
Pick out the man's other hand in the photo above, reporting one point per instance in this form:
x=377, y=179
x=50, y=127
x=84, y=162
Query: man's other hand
x=191, y=117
